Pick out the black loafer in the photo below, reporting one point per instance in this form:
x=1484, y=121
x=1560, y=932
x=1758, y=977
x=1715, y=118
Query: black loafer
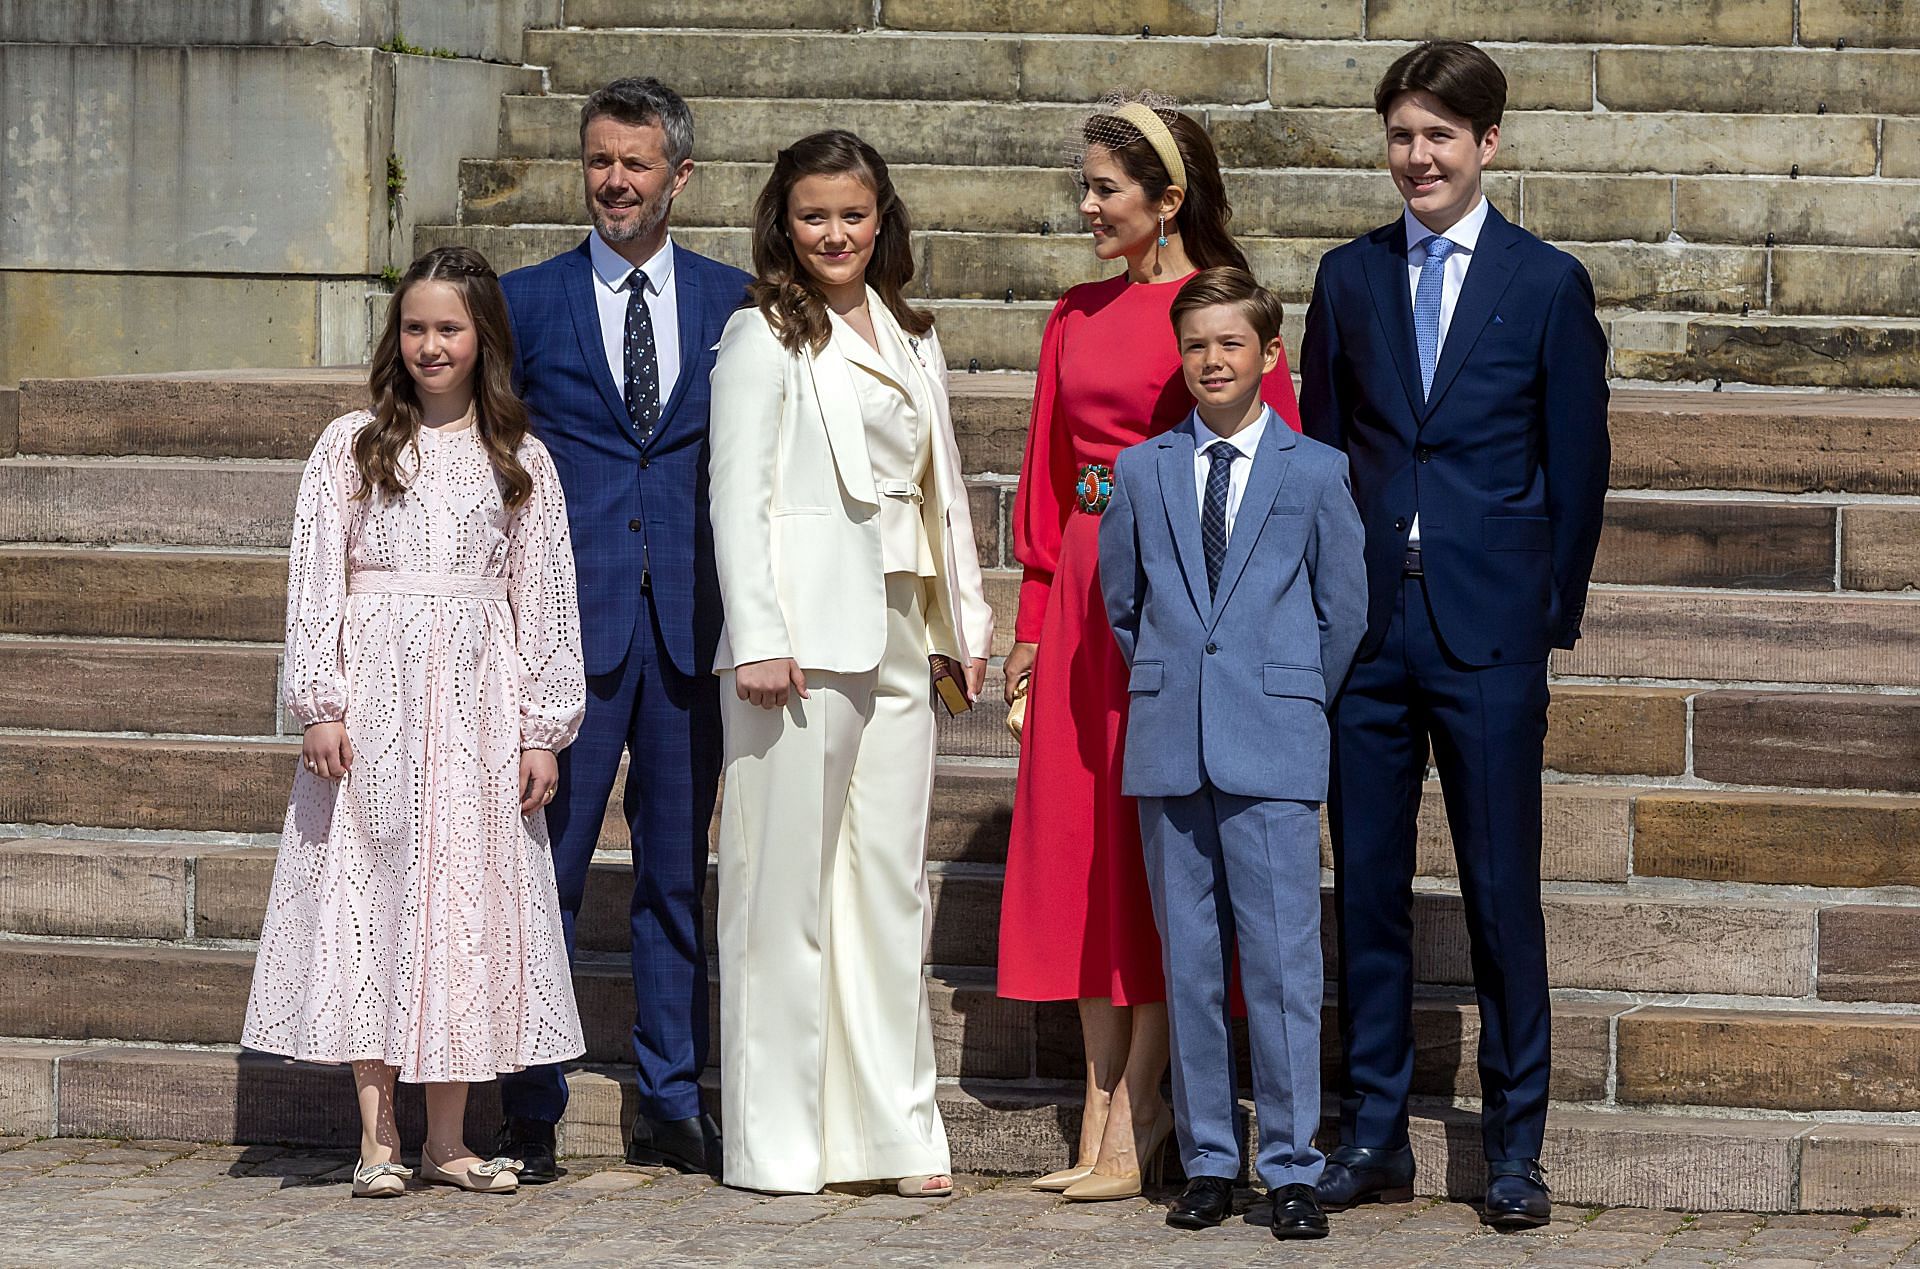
x=685, y=1145
x=531, y=1142
x=1364, y=1174
x=1208, y=1200
x=1517, y=1195
x=1297, y=1214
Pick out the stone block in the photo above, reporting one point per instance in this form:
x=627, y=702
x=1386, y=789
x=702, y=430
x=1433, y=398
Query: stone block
x=1789, y=839
x=1617, y=730
x=51, y=590
x=1736, y=22
x=1900, y=148
x=1614, y=943
x=1765, y=545
x=157, y=687
x=1832, y=740
x=981, y=732
x=1812, y=211
x=9, y=422
x=204, y=786
x=230, y=892
x=89, y=991
x=964, y=913
x=1808, y=352
x=1345, y=74
x=1788, y=81
x=87, y=889
x=1773, y=442
x=1575, y=208
x=1071, y=17
x=26, y=1088
x=1294, y=19
x=1860, y=1168
x=999, y=336
x=1585, y=833
x=984, y=507
x=1879, y=548
x=1870, y=952
x=156, y=503
x=1839, y=639
x=1003, y=596
x=178, y=1095
x=1446, y=1044
x=226, y=414
x=1671, y=275
x=820, y=15
x=1767, y=1060
x=1871, y=22
x=1846, y=280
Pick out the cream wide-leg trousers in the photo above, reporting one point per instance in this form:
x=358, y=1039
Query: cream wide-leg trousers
x=826, y=1042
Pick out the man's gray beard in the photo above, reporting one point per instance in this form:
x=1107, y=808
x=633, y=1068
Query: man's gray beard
x=640, y=228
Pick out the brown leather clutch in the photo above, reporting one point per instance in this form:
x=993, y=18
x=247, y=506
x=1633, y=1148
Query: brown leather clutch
x=950, y=683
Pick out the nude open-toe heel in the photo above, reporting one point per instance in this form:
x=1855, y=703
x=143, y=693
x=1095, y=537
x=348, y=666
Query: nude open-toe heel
x=496, y=1176
x=1055, y=1182
x=1097, y=1187
x=916, y=1186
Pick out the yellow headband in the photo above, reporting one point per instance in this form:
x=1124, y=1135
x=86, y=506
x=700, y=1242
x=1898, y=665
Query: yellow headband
x=1158, y=135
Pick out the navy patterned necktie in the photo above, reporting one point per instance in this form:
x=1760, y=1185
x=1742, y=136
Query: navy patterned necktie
x=1213, y=510
x=642, y=359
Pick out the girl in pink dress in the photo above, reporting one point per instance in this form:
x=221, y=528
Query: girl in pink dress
x=433, y=659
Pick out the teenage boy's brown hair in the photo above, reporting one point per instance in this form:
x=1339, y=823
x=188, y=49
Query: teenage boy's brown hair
x=1467, y=82
x=1237, y=287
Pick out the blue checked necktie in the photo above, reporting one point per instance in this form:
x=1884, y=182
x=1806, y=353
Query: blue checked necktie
x=642, y=359
x=1213, y=509
x=1426, y=308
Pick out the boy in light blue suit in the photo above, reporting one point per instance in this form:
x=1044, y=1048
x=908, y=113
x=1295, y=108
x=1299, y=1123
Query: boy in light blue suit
x=1231, y=561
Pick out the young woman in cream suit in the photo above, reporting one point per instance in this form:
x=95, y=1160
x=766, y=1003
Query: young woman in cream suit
x=846, y=557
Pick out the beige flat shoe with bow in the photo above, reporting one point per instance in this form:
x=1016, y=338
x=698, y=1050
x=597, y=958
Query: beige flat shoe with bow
x=499, y=1175
x=380, y=1180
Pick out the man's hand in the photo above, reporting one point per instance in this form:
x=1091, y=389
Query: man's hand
x=326, y=751
x=766, y=683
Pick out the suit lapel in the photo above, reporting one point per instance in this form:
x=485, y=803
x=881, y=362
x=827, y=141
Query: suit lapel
x=1270, y=463
x=1183, y=510
x=688, y=304
x=586, y=326
x=845, y=424
x=1387, y=279
x=1488, y=274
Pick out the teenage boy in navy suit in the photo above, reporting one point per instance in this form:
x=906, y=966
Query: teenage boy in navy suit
x=1231, y=567
x=1456, y=359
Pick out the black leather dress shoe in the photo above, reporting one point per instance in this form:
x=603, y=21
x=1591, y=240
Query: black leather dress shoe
x=1517, y=1195
x=685, y=1145
x=1208, y=1200
x=531, y=1142
x=1363, y=1174
x=1297, y=1214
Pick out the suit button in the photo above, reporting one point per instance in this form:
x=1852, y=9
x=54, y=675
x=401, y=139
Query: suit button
x=645, y=461
x=1400, y=524
x=1212, y=648
x=1425, y=455
x=634, y=525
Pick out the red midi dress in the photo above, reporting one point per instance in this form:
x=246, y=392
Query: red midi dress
x=1075, y=918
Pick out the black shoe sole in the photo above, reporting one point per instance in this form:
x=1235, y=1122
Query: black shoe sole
x=539, y=1178
x=657, y=1159
x=1293, y=1233
x=1188, y=1220
x=1515, y=1220
x=1397, y=1194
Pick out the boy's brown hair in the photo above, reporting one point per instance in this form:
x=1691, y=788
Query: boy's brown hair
x=1467, y=82
x=1235, y=287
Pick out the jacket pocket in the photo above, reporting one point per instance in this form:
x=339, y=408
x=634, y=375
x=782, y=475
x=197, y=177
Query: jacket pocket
x=1302, y=681
x=1145, y=677
x=1517, y=533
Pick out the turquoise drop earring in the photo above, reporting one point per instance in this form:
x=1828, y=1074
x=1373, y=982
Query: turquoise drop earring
x=1163, y=229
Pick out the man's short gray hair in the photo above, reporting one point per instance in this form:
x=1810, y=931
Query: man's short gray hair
x=642, y=101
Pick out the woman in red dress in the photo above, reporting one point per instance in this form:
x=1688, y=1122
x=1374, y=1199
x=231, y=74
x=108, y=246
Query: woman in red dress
x=1076, y=922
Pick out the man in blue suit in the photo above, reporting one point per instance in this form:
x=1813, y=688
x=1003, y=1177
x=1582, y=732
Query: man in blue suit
x=613, y=342
x=1457, y=360
x=1232, y=570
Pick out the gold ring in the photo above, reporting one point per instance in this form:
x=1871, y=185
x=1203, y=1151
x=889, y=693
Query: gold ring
x=548, y=798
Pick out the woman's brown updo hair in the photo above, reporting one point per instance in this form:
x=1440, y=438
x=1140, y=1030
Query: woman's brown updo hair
x=1205, y=212
x=497, y=412
x=782, y=288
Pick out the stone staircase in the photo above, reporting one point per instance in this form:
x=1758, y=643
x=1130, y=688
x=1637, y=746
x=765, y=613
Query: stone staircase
x=1733, y=765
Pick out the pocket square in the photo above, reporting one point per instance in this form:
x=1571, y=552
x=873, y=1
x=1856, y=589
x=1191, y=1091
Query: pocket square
x=1499, y=320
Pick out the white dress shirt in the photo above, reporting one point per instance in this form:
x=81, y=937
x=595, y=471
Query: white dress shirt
x=611, y=273
x=1465, y=236
x=1247, y=441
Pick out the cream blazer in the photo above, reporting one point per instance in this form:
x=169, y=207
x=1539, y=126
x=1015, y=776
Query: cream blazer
x=796, y=518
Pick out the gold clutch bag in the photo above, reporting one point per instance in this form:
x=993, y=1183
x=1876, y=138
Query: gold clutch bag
x=1017, y=712
x=949, y=683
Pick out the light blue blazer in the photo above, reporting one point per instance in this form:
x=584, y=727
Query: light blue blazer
x=1233, y=690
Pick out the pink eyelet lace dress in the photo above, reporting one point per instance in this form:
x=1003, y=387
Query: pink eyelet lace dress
x=413, y=918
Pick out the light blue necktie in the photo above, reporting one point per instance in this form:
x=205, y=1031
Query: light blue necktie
x=1426, y=308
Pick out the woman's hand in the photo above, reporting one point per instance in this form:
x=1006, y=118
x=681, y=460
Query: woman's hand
x=766, y=683
x=1019, y=664
x=326, y=751
x=976, y=678
x=539, y=776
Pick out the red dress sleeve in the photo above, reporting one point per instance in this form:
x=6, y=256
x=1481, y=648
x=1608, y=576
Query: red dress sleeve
x=1047, y=474
x=1277, y=391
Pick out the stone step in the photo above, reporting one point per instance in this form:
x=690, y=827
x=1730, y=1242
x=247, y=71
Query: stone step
x=145, y=502
x=86, y=685
x=817, y=15
x=177, y=594
x=1778, y=351
x=1757, y=1059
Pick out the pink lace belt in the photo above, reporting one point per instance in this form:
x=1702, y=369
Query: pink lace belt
x=444, y=585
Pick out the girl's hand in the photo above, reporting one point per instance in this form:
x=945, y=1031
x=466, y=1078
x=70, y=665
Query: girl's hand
x=539, y=775
x=1019, y=664
x=976, y=678
x=326, y=751
x=766, y=683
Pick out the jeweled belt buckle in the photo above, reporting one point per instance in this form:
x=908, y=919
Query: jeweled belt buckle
x=1094, y=490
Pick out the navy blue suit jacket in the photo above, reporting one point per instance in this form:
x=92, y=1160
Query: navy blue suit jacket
x=631, y=507
x=1505, y=462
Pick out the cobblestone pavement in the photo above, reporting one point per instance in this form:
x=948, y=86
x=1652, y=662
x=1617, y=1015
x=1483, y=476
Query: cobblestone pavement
x=154, y=1203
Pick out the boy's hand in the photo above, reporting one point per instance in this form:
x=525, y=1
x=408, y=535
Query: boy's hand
x=1018, y=665
x=766, y=683
x=326, y=751
x=539, y=776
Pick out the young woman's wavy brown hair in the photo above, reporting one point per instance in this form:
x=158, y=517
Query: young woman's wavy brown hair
x=497, y=412
x=1204, y=215
x=782, y=288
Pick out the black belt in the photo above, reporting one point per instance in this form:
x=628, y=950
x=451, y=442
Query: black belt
x=1410, y=561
